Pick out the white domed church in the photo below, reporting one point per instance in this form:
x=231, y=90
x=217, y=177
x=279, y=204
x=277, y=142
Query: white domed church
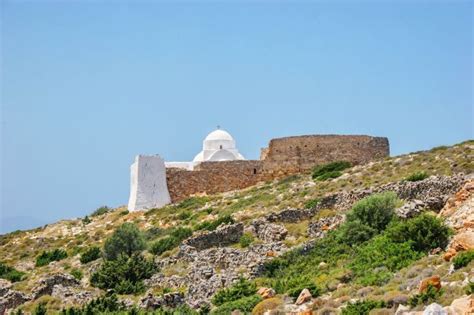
x=219, y=145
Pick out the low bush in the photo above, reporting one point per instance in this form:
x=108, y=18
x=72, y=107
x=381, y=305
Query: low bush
x=91, y=254
x=470, y=288
x=310, y=204
x=212, y=225
x=294, y=285
x=384, y=256
x=330, y=170
x=242, y=288
x=40, y=309
x=463, y=259
x=105, y=304
x=10, y=273
x=86, y=220
x=375, y=211
x=162, y=245
x=425, y=232
x=77, y=273
x=246, y=239
x=417, y=176
x=181, y=233
x=429, y=296
x=124, y=275
x=127, y=239
x=362, y=307
x=267, y=305
x=48, y=256
x=100, y=211
x=169, y=242
x=354, y=233
x=245, y=305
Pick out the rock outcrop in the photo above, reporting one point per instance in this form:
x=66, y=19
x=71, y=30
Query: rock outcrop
x=46, y=285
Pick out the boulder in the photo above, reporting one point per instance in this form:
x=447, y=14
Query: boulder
x=435, y=281
x=434, y=309
x=462, y=306
x=411, y=209
x=450, y=253
x=266, y=293
x=305, y=296
x=463, y=241
x=46, y=285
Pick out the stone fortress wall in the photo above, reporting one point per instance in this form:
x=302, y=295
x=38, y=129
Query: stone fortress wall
x=283, y=157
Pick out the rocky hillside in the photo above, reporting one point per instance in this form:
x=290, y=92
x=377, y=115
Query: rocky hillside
x=393, y=236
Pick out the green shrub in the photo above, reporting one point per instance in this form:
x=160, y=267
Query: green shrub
x=100, y=211
x=77, y=273
x=184, y=215
x=417, y=176
x=354, y=233
x=245, y=305
x=429, y=296
x=124, y=275
x=153, y=232
x=102, y=305
x=242, y=288
x=162, y=245
x=212, y=225
x=86, y=220
x=48, y=256
x=310, y=204
x=362, y=307
x=174, y=239
x=10, y=273
x=294, y=285
x=246, y=239
x=91, y=254
x=425, y=232
x=40, y=309
x=181, y=233
x=375, y=211
x=127, y=239
x=384, y=256
x=124, y=212
x=330, y=170
x=463, y=259
x=470, y=288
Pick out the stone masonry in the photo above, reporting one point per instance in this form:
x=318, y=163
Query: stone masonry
x=283, y=157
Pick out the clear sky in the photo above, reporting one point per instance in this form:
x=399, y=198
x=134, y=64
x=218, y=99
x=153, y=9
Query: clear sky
x=88, y=85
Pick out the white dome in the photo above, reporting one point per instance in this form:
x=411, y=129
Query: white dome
x=219, y=145
x=219, y=134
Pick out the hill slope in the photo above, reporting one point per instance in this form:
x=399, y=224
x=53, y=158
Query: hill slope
x=289, y=218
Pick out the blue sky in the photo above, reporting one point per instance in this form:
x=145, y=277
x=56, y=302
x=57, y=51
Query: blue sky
x=86, y=86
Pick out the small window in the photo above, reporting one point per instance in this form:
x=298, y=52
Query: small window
x=254, y=171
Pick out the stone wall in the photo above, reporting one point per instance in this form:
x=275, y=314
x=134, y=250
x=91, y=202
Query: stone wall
x=301, y=153
x=214, y=177
x=284, y=156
